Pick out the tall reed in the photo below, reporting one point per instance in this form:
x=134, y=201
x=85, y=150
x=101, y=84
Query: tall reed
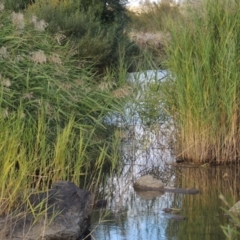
x=203, y=94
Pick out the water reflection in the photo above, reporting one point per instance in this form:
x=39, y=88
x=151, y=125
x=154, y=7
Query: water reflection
x=135, y=217
x=130, y=215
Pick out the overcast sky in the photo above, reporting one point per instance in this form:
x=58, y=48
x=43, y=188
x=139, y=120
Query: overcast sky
x=136, y=2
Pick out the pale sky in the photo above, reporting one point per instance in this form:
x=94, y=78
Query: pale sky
x=136, y=2
x=133, y=2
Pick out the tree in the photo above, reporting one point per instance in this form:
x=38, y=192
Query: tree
x=108, y=11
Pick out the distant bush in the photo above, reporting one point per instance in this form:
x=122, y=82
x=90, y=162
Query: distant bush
x=17, y=5
x=154, y=16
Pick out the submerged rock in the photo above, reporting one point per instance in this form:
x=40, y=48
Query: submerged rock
x=149, y=195
x=176, y=217
x=61, y=213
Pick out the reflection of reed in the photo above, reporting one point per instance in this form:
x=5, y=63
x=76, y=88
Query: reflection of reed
x=213, y=179
x=204, y=211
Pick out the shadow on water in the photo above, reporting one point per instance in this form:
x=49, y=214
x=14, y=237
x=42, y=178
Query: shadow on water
x=139, y=216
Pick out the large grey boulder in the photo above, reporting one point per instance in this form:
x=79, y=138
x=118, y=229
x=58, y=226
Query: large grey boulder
x=65, y=209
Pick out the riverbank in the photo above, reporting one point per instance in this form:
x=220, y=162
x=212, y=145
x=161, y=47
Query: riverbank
x=52, y=106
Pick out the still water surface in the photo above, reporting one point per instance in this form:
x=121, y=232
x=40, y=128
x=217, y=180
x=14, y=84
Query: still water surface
x=138, y=216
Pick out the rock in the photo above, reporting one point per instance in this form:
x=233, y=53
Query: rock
x=148, y=182
x=62, y=213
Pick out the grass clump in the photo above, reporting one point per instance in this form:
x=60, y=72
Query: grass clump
x=37, y=72
x=52, y=106
x=203, y=95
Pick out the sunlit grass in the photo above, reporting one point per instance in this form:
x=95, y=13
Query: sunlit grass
x=30, y=162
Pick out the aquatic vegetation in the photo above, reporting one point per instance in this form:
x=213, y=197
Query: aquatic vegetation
x=203, y=95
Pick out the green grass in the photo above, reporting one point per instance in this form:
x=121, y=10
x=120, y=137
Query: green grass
x=53, y=101
x=52, y=106
x=31, y=162
x=203, y=95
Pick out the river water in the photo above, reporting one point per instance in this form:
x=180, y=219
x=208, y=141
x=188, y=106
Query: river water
x=148, y=150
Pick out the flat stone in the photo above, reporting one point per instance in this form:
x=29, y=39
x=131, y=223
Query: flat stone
x=148, y=182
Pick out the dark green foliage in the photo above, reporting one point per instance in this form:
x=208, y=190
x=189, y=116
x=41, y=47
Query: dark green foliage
x=96, y=27
x=17, y=5
x=36, y=72
x=108, y=11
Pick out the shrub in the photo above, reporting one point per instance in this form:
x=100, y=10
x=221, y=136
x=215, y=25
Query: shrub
x=36, y=71
x=17, y=5
x=97, y=28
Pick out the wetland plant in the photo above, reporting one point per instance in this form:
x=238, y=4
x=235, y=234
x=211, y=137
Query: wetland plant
x=52, y=106
x=203, y=96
